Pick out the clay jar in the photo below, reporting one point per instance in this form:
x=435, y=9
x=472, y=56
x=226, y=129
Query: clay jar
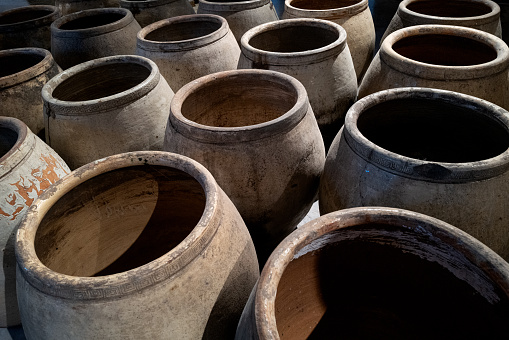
x=403, y=148
x=72, y=6
x=27, y=168
x=104, y=107
x=188, y=47
x=483, y=15
x=92, y=34
x=353, y=15
x=142, y=245
x=27, y=26
x=147, y=12
x=241, y=15
x=256, y=133
x=316, y=53
x=370, y=273
x=452, y=58
x=23, y=72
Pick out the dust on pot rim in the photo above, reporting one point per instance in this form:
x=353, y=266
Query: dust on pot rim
x=232, y=6
x=18, y=65
x=182, y=33
x=14, y=144
x=413, y=51
x=285, y=42
x=135, y=279
x=328, y=9
x=480, y=150
x=29, y=17
x=128, y=4
x=277, y=103
x=125, y=78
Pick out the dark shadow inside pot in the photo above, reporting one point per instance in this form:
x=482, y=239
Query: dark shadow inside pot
x=322, y=4
x=449, y=9
x=388, y=283
x=434, y=130
x=119, y=220
x=90, y=21
x=12, y=63
x=23, y=15
x=185, y=30
x=8, y=138
x=447, y=50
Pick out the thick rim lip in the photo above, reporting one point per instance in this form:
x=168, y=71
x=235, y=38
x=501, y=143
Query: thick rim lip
x=62, y=285
x=21, y=148
x=62, y=107
x=293, y=58
x=326, y=13
x=44, y=20
x=231, y=6
x=404, y=166
x=29, y=73
x=476, y=252
x=144, y=4
x=182, y=45
x=218, y=135
x=440, y=72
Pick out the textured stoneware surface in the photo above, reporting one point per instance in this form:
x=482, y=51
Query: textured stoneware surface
x=149, y=11
x=126, y=111
x=378, y=272
x=353, y=15
x=256, y=133
x=27, y=168
x=141, y=245
x=23, y=73
x=404, y=148
x=188, y=47
x=451, y=58
x=71, y=6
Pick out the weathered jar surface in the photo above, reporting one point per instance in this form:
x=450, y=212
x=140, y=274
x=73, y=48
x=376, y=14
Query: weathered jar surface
x=27, y=168
x=72, y=6
x=188, y=47
x=371, y=273
x=440, y=153
x=147, y=12
x=452, y=58
x=141, y=245
x=23, y=73
x=241, y=15
x=92, y=34
x=313, y=51
x=353, y=15
x=27, y=26
x=256, y=133
x=126, y=111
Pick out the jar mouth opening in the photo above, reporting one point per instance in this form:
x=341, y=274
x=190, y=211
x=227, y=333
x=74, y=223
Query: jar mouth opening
x=16, y=61
x=9, y=138
x=450, y=9
x=92, y=19
x=23, y=15
x=322, y=4
x=176, y=31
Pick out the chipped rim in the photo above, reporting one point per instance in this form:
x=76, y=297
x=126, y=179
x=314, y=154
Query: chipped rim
x=31, y=72
x=326, y=14
x=21, y=149
x=45, y=20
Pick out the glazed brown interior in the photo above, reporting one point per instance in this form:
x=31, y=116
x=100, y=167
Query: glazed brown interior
x=101, y=81
x=323, y=4
x=368, y=288
x=119, y=220
x=186, y=30
x=447, y=50
x=89, y=21
x=239, y=100
x=23, y=15
x=433, y=130
x=293, y=39
x=449, y=9
x=13, y=63
x=8, y=138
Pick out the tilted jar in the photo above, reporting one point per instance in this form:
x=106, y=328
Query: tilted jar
x=147, y=12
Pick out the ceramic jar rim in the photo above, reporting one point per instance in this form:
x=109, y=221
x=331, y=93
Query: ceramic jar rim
x=182, y=45
x=405, y=166
x=133, y=280
x=29, y=73
x=22, y=148
x=441, y=72
x=128, y=4
x=56, y=31
x=294, y=58
x=495, y=268
x=220, y=135
x=326, y=14
x=46, y=20
x=59, y=107
x=232, y=6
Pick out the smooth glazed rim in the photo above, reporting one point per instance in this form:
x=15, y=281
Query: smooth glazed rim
x=326, y=14
x=495, y=268
x=293, y=58
x=57, y=107
x=182, y=45
x=223, y=135
x=231, y=6
x=133, y=280
x=17, y=78
x=403, y=165
x=441, y=72
x=45, y=20
x=23, y=147
x=144, y=4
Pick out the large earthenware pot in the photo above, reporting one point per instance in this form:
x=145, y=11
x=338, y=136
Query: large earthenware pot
x=23, y=73
x=147, y=12
x=483, y=15
x=188, y=47
x=316, y=53
x=256, y=133
x=379, y=273
x=241, y=15
x=27, y=168
x=141, y=245
x=504, y=18
x=437, y=152
x=92, y=34
x=452, y=58
x=71, y=6
x=104, y=107
x=353, y=15
x=27, y=26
